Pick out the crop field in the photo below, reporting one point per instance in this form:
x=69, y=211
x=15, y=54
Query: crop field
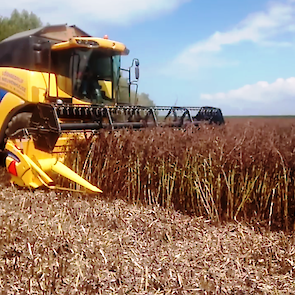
x=241, y=171
x=201, y=211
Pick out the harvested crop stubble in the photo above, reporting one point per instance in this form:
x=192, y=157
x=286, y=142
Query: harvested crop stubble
x=55, y=243
x=244, y=169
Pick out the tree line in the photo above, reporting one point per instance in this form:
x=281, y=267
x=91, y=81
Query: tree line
x=18, y=22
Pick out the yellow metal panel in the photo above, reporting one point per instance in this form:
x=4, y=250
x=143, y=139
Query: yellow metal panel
x=15, y=81
x=25, y=175
x=33, y=165
x=52, y=90
x=65, y=45
x=64, y=86
x=102, y=43
x=106, y=86
x=29, y=85
x=78, y=101
x=37, y=86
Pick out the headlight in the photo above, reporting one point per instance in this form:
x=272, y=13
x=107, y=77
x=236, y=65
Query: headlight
x=89, y=43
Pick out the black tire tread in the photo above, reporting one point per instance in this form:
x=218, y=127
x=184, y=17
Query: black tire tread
x=19, y=121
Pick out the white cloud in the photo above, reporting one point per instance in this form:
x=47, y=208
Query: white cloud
x=259, y=28
x=266, y=98
x=100, y=11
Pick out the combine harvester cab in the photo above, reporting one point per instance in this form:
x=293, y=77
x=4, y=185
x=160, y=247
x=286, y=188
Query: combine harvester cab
x=58, y=81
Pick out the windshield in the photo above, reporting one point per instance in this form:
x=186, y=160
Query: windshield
x=93, y=74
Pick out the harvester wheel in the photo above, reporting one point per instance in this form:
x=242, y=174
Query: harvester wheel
x=19, y=121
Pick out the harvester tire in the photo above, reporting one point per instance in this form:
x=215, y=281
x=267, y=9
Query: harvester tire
x=19, y=121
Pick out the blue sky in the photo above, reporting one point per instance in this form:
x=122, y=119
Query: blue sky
x=237, y=55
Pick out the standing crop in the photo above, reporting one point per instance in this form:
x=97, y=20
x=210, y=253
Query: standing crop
x=243, y=170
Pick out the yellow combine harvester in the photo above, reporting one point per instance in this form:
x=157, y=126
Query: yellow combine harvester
x=58, y=80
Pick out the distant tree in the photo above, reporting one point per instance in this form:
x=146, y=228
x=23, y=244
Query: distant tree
x=18, y=22
x=141, y=98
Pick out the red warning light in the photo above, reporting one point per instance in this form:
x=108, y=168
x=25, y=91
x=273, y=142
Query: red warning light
x=106, y=37
x=12, y=168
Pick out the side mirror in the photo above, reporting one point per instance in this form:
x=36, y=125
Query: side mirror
x=137, y=72
x=38, y=53
x=135, y=62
